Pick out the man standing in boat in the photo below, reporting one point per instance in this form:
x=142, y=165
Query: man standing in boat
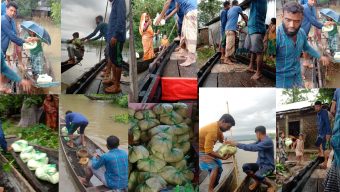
x=264, y=165
x=188, y=40
x=209, y=159
x=75, y=122
x=324, y=130
x=110, y=168
x=75, y=49
x=102, y=28
x=224, y=18
x=116, y=37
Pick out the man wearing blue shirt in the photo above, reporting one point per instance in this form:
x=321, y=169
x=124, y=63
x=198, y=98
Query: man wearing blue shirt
x=223, y=18
x=8, y=33
x=324, y=128
x=264, y=165
x=230, y=30
x=290, y=42
x=116, y=37
x=180, y=16
x=256, y=33
x=309, y=19
x=111, y=168
x=11, y=75
x=75, y=121
x=188, y=40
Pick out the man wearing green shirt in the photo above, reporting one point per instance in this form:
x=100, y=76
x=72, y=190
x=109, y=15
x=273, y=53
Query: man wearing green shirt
x=76, y=49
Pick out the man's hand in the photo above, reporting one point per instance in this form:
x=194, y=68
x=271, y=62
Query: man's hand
x=95, y=155
x=232, y=143
x=113, y=41
x=227, y=156
x=9, y=148
x=328, y=23
x=26, y=85
x=158, y=21
x=324, y=60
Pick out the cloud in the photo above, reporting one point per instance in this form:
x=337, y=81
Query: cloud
x=250, y=107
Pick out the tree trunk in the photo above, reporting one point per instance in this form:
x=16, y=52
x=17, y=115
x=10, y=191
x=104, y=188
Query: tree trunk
x=29, y=115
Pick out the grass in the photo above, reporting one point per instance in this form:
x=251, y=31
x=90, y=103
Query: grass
x=121, y=99
x=203, y=54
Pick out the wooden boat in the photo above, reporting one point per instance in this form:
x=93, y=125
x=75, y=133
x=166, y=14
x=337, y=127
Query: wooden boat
x=244, y=185
x=38, y=185
x=227, y=181
x=141, y=64
x=76, y=169
x=13, y=180
x=65, y=66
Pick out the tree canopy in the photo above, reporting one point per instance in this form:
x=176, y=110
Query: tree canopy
x=152, y=7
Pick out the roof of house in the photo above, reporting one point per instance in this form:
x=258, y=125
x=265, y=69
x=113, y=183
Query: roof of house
x=294, y=107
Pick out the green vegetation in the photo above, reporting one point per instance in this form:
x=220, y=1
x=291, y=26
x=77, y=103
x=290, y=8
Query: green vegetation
x=203, y=54
x=11, y=104
x=122, y=118
x=209, y=9
x=186, y=188
x=118, y=99
x=325, y=95
x=296, y=95
x=152, y=7
x=38, y=134
x=56, y=11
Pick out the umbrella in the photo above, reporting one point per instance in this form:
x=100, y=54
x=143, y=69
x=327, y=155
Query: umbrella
x=37, y=29
x=330, y=13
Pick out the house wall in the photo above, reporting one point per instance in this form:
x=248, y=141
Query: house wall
x=307, y=125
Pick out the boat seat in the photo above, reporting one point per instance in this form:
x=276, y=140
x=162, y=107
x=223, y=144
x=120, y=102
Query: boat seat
x=98, y=189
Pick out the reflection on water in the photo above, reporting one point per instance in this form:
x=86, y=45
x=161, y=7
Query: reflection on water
x=91, y=57
x=101, y=125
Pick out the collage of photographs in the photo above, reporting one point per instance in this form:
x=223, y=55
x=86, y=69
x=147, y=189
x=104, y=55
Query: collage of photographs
x=170, y=96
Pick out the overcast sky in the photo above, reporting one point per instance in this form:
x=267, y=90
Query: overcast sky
x=281, y=99
x=250, y=107
x=79, y=15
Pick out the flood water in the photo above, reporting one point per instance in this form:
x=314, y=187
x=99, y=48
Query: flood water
x=91, y=58
x=101, y=125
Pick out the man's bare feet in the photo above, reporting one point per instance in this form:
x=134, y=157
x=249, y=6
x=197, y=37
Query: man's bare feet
x=250, y=69
x=256, y=76
x=254, y=185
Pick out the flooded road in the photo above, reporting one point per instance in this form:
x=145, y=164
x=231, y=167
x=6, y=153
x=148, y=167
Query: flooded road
x=101, y=125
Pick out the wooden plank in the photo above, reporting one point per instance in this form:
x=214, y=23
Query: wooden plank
x=93, y=87
x=190, y=71
x=228, y=80
x=171, y=69
x=311, y=186
x=211, y=80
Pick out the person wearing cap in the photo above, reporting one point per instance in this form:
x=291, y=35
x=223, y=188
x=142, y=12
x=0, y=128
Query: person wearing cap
x=110, y=168
x=75, y=121
x=332, y=180
x=264, y=165
x=209, y=159
x=324, y=129
x=75, y=49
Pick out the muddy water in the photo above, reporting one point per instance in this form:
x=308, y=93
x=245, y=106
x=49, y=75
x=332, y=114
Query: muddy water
x=91, y=57
x=101, y=125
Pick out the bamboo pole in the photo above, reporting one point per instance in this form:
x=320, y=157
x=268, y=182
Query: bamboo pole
x=133, y=96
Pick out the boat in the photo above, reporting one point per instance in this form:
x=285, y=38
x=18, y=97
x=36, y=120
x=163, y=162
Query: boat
x=13, y=180
x=38, y=185
x=65, y=66
x=228, y=180
x=244, y=185
x=141, y=64
x=76, y=169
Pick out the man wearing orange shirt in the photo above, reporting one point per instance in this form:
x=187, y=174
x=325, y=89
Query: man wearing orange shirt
x=208, y=136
